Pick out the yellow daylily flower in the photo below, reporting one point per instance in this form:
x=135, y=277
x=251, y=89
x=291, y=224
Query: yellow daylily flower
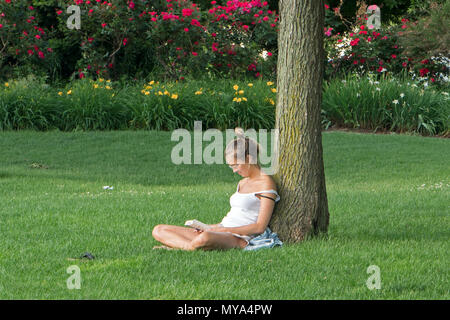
x=234, y=99
x=148, y=87
x=269, y=83
x=143, y=91
x=236, y=87
x=151, y=82
x=6, y=84
x=160, y=93
x=174, y=96
x=60, y=93
x=239, y=100
x=273, y=90
x=198, y=92
x=241, y=91
x=95, y=86
x=147, y=93
x=272, y=102
x=101, y=79
x=166, y=93
x=250, y=84
x=244, y=98
x=108, y=87
x=69, y=92
x=108, y=81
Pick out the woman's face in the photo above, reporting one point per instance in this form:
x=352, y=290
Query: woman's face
x=241, y=169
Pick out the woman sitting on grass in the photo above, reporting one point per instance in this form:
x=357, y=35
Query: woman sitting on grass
x=251, y=206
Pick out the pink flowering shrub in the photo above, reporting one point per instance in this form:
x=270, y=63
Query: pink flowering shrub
x=363, y=50
x=22, y=39
x=229, y=40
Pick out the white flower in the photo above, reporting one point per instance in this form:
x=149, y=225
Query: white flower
x=445, y=93
x=378, y=89
x=402, y=95
x=395, y=102
x=108, y=188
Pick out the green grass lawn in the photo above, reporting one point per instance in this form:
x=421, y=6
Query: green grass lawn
x=389, y=198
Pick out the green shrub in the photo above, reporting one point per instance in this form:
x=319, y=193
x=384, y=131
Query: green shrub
x=388, y=104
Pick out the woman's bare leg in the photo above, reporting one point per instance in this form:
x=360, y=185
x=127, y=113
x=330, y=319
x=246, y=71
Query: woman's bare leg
x=210, y=240
x=174, y=236
x=189, y=239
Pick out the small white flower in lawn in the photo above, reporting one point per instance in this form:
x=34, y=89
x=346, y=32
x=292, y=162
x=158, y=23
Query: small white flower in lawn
x=395, y=102
x=402, y=95
x=378, y=89
x=108, y=188
x=377, y=82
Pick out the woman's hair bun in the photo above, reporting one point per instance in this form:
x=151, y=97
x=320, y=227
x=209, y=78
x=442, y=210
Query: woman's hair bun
x=239, y=132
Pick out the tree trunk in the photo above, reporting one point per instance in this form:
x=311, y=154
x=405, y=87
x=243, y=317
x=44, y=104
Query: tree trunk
x=300, y=177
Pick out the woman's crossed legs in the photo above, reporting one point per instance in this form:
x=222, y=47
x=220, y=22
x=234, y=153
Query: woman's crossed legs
x=190, y=239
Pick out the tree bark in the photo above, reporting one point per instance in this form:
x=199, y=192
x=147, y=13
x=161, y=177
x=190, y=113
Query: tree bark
x=300, y=177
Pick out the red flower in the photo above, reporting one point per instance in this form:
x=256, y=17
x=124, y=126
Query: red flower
x=354, y=42
x=186, y=12
x=194, y=53
x=424, y=72
x=41, y=54
x=393, y=56
x=195, y=22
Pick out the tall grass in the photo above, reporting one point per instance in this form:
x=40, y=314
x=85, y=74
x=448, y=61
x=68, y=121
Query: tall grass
x=390, y=104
